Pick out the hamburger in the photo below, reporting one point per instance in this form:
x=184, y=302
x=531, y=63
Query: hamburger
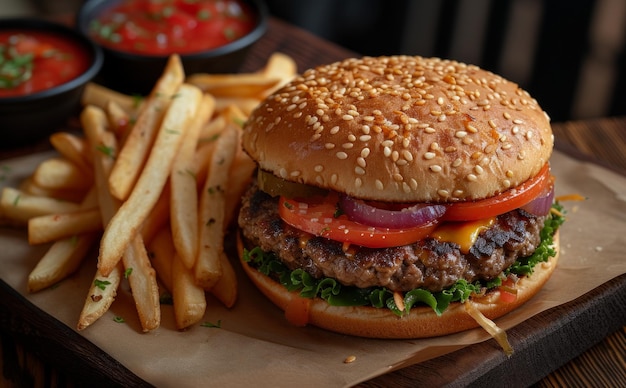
x=399, y=197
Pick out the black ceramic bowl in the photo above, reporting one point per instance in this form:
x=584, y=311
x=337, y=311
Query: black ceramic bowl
x=28, y=118
x=137, y=73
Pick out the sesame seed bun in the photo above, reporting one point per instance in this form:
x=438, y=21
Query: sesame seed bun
x=401, y=129
x=422, y=322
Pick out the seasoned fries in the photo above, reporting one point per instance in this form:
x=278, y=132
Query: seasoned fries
x=155, y=184
x=133, y=212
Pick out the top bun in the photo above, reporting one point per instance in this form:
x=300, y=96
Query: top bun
x=401, y=129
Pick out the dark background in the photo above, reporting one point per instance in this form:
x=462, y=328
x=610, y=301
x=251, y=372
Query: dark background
x=565, y=42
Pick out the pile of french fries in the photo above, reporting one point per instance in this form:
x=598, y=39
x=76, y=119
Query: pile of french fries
x=154, y=182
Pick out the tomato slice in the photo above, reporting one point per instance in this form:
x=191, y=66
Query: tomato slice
x=316, y=215
x=501, y=203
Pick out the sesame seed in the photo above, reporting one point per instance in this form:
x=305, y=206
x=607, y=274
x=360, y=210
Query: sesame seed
x=387, y=151
x=529, y=135
x=471, y=177
x=361, y=162
x=347, y=146
x=283, y=173
x=397, y=177
x=509, y=173
x=365, y=152
x=379, y=185
x=329, y=146
x=334, y=130
x=347, y=117
x=429, y=155
x=443, y=193
x=359, y=170
x=341, y=155
x=318, y=168
x=333, y=179
x=506, y=115
x=506, y=183
x=518, y=121
x=435, y=168
x=478, y=170
x=457, y=162
x=460, y=134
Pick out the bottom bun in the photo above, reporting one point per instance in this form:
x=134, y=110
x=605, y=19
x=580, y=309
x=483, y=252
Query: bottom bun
x=422, y=322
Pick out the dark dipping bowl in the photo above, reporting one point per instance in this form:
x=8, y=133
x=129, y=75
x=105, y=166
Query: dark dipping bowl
x=29, y=118
x=133, y=73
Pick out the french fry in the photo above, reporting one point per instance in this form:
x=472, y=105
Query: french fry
x=128, y=219
x=30, y=187
x=238, y=179
x=233, y=85
x=211, y=130
x=73, y=148
x=52, y=227
x=100, y=296
x=99, y=96
x=225, y=290
x=61, y=260
x=60, y=173
x=142, y=279
x=189, y=299
x=65, y=255
x=184, y=191
x=158, y=217
x=161, y=250
x=279, y=66
x=138, y=143
x=212, y=198
x=246, y=104
x=119, y=120
x=17, y=206
x=103, y=145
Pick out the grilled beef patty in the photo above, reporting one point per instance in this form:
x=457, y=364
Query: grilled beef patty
x=428, y=264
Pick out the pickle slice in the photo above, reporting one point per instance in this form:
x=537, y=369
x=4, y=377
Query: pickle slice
x=276, y=186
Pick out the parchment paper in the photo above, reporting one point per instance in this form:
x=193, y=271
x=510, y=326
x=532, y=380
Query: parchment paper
x=255, y=346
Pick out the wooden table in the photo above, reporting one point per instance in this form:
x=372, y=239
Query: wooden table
x=27, y=337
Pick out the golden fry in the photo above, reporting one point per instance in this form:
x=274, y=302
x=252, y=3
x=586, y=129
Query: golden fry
x=52, y=227
x=19, y=207
x=184, y=191
x=74, y=149
x=133, y=212
x=162, y=253
x=100, y=296
x=212, y=198
x=233, y=85
x=225, y=290
x=189, y=298
x=61, y=260
x=142, y=279
x=99, y=96
x=137, y=145
x=61, y=174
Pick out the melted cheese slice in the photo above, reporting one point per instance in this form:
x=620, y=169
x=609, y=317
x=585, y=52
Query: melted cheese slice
x=462, y=233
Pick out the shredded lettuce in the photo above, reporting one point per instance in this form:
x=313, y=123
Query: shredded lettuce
x=337, y=294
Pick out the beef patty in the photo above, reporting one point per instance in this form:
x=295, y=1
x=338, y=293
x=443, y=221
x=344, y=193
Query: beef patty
x=428, y=264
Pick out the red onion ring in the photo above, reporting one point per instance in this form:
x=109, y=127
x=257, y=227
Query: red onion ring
x=541, y=205
x=408, y=217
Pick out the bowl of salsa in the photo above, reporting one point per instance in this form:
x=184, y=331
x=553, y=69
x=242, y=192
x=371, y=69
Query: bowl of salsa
x=44, y=67
x=137, y=36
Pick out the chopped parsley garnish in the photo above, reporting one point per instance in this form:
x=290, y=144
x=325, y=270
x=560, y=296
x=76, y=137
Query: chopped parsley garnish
x=101, y=284
x=217, y=325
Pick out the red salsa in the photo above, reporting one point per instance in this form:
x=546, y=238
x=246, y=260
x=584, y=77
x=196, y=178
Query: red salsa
x=32, y=61
x=163, y=27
